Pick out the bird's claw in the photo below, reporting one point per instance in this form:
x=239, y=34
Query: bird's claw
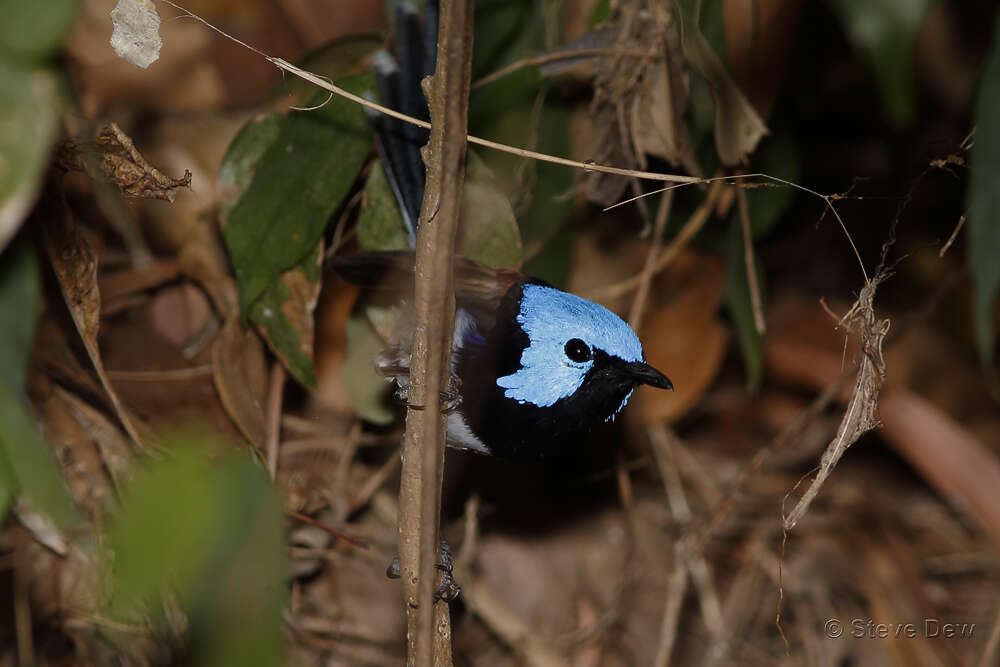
x=448, y=590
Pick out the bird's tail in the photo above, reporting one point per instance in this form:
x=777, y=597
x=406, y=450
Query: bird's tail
x=398, y=76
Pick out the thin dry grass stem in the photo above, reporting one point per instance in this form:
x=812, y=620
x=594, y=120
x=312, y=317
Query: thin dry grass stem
x=470, y=535
x=519, y=635
x=536, y=61
x=275, y=392
x=373, y=484
x=732, y=180
x=286, y=66
x=676, y=591
x=693, y=562
x=859, y=418
x=992, y=647
x=748, y=259
x=954, y=235
x=481, y=602
x=648, y=270
x=670, y=253
x=354, y=541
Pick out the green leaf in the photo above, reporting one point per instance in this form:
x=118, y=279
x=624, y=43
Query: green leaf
x=284, y=312
x=298, y=183
x=380, y=226
x=20, y=297
x=241, y=158
x=502, y=28
x=777, y=157
x=31, y=469
x=27, y=466
x=33, y=30
x=599, y=14
x=549, y=209
x=211, y=531
x=739, y=305
x=886, y=32
x=340, y=58
x=30, y=104
x=489, y=232
x=983, y=202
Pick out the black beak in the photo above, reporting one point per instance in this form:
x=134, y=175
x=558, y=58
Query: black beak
x=643, y=373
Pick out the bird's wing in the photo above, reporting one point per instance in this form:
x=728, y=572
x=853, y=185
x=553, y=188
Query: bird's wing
x=477, y=287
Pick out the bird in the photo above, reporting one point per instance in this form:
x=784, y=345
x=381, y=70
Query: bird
x=533, y=368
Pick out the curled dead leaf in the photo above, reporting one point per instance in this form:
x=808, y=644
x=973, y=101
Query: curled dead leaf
x=75, y=266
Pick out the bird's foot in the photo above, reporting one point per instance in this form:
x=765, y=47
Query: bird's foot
x=451, y=397
x=448, y=590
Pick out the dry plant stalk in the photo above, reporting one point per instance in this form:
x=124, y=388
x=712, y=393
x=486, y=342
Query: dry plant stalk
x=859, y=418
x=428, y=628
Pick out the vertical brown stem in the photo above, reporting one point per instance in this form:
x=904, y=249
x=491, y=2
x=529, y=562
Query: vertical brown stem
x=428, y=627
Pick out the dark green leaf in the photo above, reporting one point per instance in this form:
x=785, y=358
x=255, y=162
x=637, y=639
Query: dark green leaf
x=33, y=30
x=983, y=201
x=549, y=209
x=241, y=158
x=299, y=181
x=340, y=58
x=27, y=466
x=738, y=303
x=489, y=232
x=503, y=28
x=777, y=157
x=20, y=294
x=211, y=531
x=285, y=315
x=380, y=226
x=600, y=13
x=31, y=469
x=886, y=31
x=30, y=104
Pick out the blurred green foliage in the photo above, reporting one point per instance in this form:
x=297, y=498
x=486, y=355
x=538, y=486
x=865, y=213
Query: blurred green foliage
x=983, y=204
x=31, y=100
x=886, y=32
x=203, y=531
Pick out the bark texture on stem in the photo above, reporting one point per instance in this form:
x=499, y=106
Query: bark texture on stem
x=428, y=628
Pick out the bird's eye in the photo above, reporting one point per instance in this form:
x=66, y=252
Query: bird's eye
x=577, y=350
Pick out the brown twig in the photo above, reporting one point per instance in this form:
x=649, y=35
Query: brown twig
x=273, y=416
x=428, y=628
x=646, y=277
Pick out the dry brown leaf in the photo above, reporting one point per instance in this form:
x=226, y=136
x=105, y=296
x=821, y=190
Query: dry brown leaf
x=240, y=372
x=75, y=266
x=111, y=444
x=653, y=115
x=684, y=339
x=124, y=165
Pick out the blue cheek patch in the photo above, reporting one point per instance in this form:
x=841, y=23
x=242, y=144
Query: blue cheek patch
x=550, y=318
